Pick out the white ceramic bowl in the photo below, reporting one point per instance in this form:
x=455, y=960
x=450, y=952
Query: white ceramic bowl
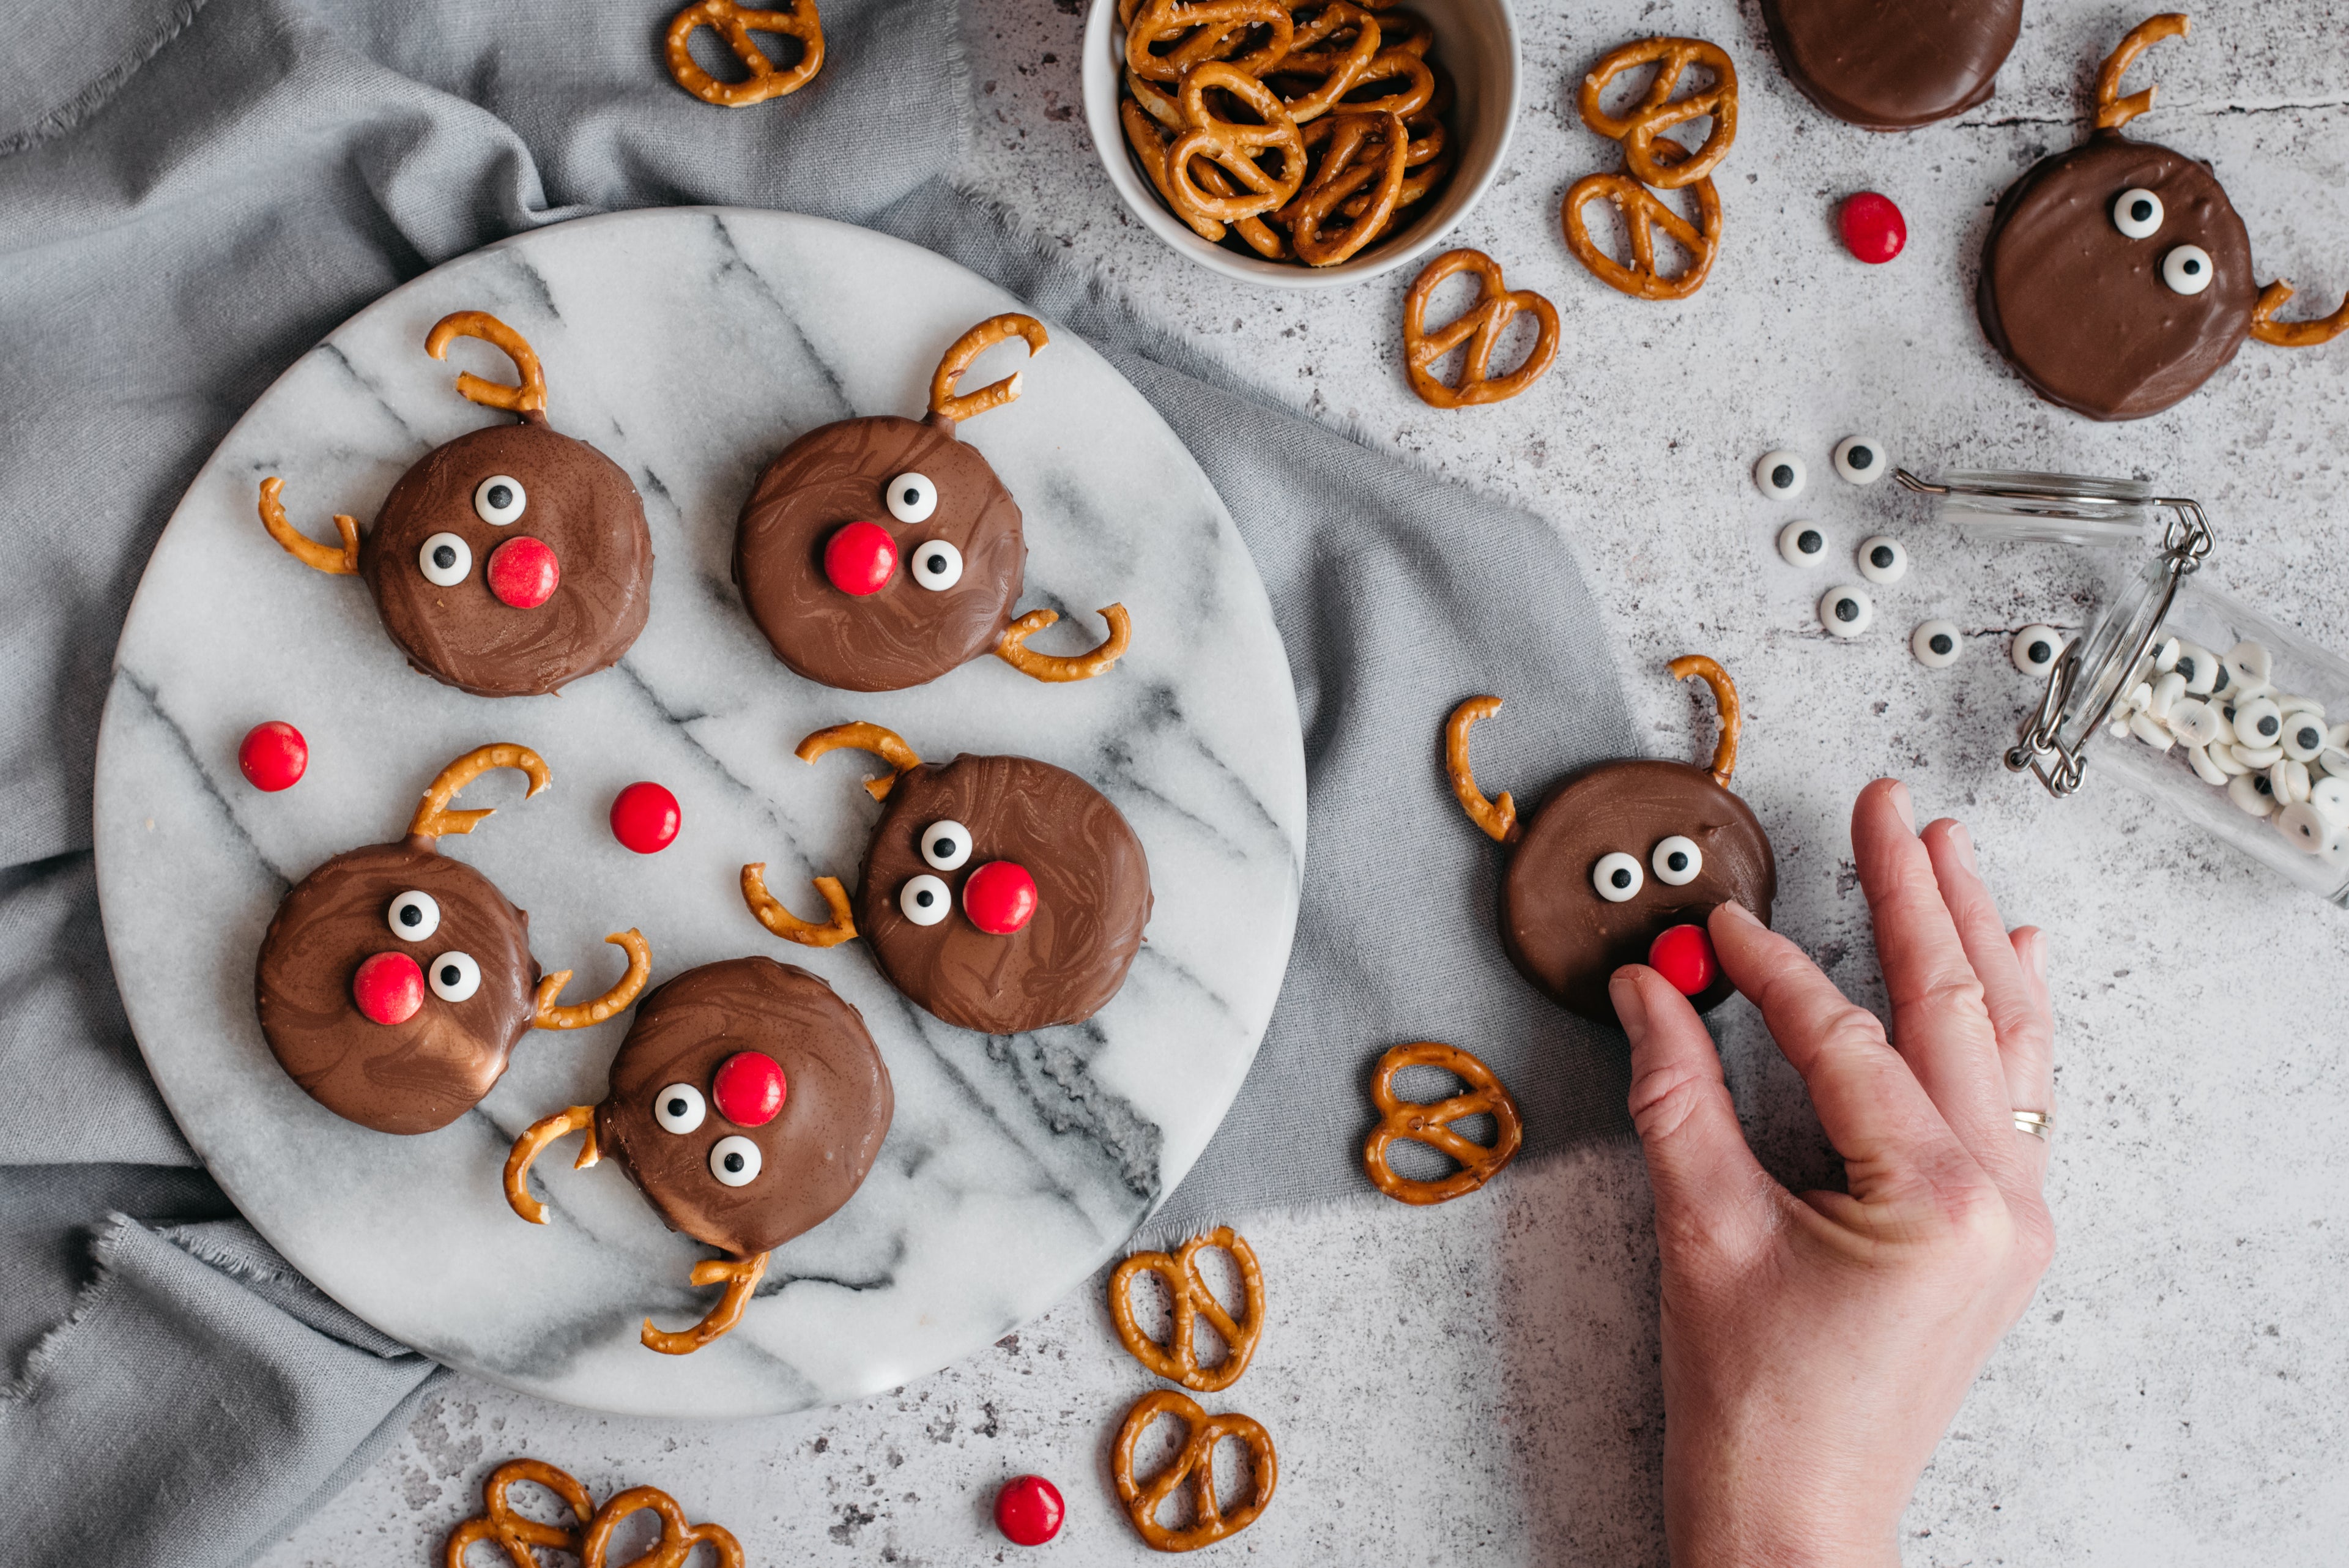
x=1476, y=40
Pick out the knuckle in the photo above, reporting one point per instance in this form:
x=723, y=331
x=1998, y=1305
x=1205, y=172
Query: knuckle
x=1663, y=1099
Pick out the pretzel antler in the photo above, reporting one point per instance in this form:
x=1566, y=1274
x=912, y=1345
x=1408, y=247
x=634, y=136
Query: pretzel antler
x=883, y=743
x=945, y=405
x=771, y=914
x=2112, y=111
x=309, y=551
x=1725, y=698
x=2292, y=334
x=530, y=1145
x=1497, y=818
x=1014, y=650
x=580, y=1015
x=433, y=819
x=740, y=1277
x=529, y=399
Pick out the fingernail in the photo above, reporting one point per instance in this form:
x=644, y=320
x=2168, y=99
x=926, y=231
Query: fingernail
x=1740, y=914
x=1963, y=842
x=1903, y=804
x=1631, y=1011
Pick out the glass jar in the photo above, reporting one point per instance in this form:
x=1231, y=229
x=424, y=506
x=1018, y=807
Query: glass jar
x=2230, y=719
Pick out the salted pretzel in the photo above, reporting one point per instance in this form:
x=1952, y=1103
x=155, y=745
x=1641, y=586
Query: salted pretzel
x=1644, y=212
x=886, y=745
x=1196, y=1464
x=309, y=551
x=433, y=819
x=1356, y=184
x=1640, y=132
x=840, y=928
x=514, y=1534
x=1193, y=28
x=1051, y=667
x=677, y=1538
x=528, y=399
x=945, y=404
x=2112, y=111
x=1401, y=1120
x=1496, y=306
x=1233, y=147
x=1178, y=1359
x=1340, y=67
x=2283, y=334
x=735, y=24
x=1416, y=81
x=1498, y=818
x=585, y=1014
x=1724, y=700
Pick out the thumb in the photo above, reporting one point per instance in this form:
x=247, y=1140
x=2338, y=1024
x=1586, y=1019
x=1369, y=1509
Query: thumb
x=1709, y=1187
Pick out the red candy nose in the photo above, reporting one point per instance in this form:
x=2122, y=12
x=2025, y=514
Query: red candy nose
x=999, y=898
x=1029, y=1511
x=1683, y=955
x=860, y=559
x=274, y=755
x=1873, y=229
x=388, y=988
x=523, y=571
x=749, y=1088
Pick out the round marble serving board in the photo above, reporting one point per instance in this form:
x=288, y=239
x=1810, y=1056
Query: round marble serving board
x=691, y=345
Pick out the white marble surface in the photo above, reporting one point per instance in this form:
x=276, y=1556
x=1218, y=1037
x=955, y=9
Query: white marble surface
x=1478, y=1383
x=691, y=347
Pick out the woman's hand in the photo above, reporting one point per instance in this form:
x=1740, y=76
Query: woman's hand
x=1816, y=1347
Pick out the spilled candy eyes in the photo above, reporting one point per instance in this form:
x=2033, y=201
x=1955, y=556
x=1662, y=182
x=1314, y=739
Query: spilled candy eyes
x=1616, y=876
x=2304, y=737
x=2036, y=649
x=1802, y=544
x=937, y=565
x=497, y=499
x=414, y=915
x=2258, y=723
x=445, y=560
x=1780, y=475
x=1936, y=644
x=2138, y=214
x=946, y=845
x=2186, y=269
x=924, y=900
x=1847, y=611
x=1882, y=559
x=1860, y=458
x=734, y=1160
x=1677, y=861
x=679, y=1107
x=912, y=498
x=455, y=977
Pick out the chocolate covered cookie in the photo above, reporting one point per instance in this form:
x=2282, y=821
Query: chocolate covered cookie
x=877, y=554
x=395, y=983
x=1623, y=863
x=2117, y=277
x=1893, y=65
x=509, y=562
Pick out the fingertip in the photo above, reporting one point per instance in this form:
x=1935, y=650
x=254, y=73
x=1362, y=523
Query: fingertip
x=1631, y=1007
x=2031, y=947
x=1883, y=795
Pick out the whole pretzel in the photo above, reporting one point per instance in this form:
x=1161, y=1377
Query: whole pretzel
x=1487, y=319
x=1498, y=818
x=735, y=25
x=1407, y=1121
x=944, y=404
x=2266, y=328
x=1050, y=666
x=433, y=819
x=1196, y=1464
x=529, y=399
x=513, y=1533
x=1364, y=149
x=1178, y=1359
x=1152, y=118
x=1658, y=111
x=1339, y=68
x=531, y=1145
x=677, y=1538
x=862, y=737
x=1724, y=698
x=1642, y=208
x=840, y=928
x=583, y=1015
x=309, y=551
x=740, y=1277
x=1158, y=21
x=1234, y=147
x=1396, y=64
x=2112, y=111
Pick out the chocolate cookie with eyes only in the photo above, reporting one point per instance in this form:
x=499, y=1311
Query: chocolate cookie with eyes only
x=1893, y=65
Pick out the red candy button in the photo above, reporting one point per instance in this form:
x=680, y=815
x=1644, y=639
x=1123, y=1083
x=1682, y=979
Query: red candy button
x=749, y=1088
x=999, y=898
x=1873, y=229
x=1683, y=955
x=272, y=755
x=860, y=559
x=523, y=572
x=388, y=988
x=1029, y=1510
x=644, y=817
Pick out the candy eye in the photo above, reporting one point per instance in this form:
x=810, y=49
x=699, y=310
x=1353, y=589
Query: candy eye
x=2250, y=665
x=912, y=498
x=937, y=565
x=1677, y=861
x=455, y=977
x=497, y=499
x=2036, y=649
x=2200, y=666
x=2186, y=269
x=1780, y=475
x=445, y=560
x=2137, y=213
x=1616, y=876
x=2304, y=737
x=1847, y=611
x=924, y=900
x=679, y=1107
x=1882, y=559
x=1802, y=544
x=946, y=845
x=414, y=915
x=1860, y=458
x=1936, y=644
x=2258, y=723
x=734, y=1160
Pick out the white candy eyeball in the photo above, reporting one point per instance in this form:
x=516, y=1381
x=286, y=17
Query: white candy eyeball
x=2336, y=761
x=413, y=916
x=2258, y=723
x=2193, y=720
x=2304, y=737
x=2258, y=758
x=455, y=976
x=2035, y=650
x=1803, y=543
x=1882, y=560
x=497, y=499
x=1860, y=458
x=679, y=1107
x=1937, y=644
x=2165, y=655
x=1847, y=611
x=1677, y=861
x=2164, y=694
x=937, y=565
x=924, y=899
x=2186, y=270
x=2223, y=757
x=2331, y=796
x=1780, y=475
x=2142, y=726
x=2210, y=773
x=445, y=560
x=734, y=1160
x=2307, y=827
x=1616, y=876
x=946, y=845
x=912, y=498
x=2288, y=780
x=2137, y=214
x=2200, y=666
x=2249, y=793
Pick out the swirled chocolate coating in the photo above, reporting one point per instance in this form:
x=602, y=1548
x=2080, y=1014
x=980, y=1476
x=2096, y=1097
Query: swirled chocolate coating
x=576, y=501
x=408, y=1077
x=906, y=634
x=1568, y=939
x=1092, y=885
x=2080, y=308
x=1893, y=65
x=836, y=1103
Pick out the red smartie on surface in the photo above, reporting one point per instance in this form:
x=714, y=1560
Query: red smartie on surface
x=273, y=756
x=523, y=572
x=1684, y=956
x=1873, y=228
x=645, y=817
x=749, y=1088
x=388, y=988
x=859, y=558
x=999, y=898
x=1029, y=1511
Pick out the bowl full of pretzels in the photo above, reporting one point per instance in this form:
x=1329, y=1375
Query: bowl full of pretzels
x=1300, y=143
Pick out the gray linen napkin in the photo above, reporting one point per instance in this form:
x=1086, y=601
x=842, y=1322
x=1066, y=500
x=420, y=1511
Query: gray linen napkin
x=192, y=193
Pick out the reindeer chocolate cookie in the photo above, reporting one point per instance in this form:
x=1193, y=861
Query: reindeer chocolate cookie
x=1887, y=67
x=877, y=554
x=395, y=983
x=507, y=563
x=1623, y=863
x=747, y=1103
x=1001, y=894
x=2117, y=278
